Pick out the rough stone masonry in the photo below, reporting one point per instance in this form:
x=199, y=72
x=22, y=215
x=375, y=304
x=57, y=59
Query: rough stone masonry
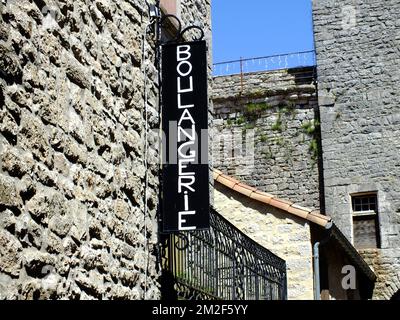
x=358, y=57
x=265, y=132
x=72, y=218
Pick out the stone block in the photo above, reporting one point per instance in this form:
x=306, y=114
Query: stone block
x=34, y=137
x=91, y=282
x=10, y=254
x=15, y=162
x=9, y=65
x=78, y=74
x=9, y=196
x=36, y=262
x=46, y=204
x=60, y=224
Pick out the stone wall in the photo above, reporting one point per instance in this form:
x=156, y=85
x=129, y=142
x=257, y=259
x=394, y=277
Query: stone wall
x=385, y=264
x=357, y=45
x=73, y=219
x=265, y=132
x=285, y=235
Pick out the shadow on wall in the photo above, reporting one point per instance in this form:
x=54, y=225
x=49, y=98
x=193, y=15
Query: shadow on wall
x=303, y=75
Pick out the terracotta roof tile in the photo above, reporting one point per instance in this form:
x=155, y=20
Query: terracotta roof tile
x=280, y=204
x=322, y=221
x=317, y=215
x=226, y=181
x=301, y=208
x=261, y=196
x=242, y=189
x=247, y=187
x=216, y=173
x=298, y=212
x=311, y=215
x=265, y=194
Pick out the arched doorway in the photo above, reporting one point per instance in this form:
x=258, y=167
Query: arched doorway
x=396, y=296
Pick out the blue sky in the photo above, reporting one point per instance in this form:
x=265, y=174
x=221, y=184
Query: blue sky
x=252, y=28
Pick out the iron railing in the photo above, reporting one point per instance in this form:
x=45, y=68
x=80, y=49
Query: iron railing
x=266, y=63
x=222, y=263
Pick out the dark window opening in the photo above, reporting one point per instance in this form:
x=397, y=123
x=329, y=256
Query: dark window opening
x=364, y=203
x=365, y=221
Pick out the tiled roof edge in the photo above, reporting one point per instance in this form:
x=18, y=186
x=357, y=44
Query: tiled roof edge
x=269, y=199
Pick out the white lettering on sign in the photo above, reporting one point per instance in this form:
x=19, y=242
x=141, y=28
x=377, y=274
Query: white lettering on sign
x=191, y=134
x=186, y=135
x=185, y=116
x=179, y=68
x=186, y=90
x=181, y=221
x=182, y=154
x=180, y=106
x=179, y=51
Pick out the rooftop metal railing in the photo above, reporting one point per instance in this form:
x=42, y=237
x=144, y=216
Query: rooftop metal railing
x=265, y=63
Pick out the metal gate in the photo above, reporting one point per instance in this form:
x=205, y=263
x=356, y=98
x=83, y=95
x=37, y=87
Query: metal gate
x=221, y=263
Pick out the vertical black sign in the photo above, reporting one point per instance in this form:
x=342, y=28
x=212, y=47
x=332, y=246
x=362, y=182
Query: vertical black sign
x=185, y=141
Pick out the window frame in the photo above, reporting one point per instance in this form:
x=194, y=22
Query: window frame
x=360, y=214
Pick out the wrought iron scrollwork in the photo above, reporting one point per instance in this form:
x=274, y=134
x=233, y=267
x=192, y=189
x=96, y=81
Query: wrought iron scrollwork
x=193, y=27
x=179, y=33
x=181, y=241
x=178, y=30
x=223, y=263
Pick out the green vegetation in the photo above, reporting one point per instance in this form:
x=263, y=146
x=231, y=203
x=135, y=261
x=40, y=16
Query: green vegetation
x=282, y=105
x=287, y=109
x=256, y=108
x=263, y=138
x=314, y=149
x=284, y=110
x=280, y=141
x=257, y=94
x=250, y=125
x=310, y=128
x=240, y=120
x=253, y=111
x=277, y=126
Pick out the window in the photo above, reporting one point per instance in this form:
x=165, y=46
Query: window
x=365, y=221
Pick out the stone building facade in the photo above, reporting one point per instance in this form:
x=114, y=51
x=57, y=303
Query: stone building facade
x=357, y=47
x=350, y=118
x=76, y=219
x=290, y=231
x=285, y=235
